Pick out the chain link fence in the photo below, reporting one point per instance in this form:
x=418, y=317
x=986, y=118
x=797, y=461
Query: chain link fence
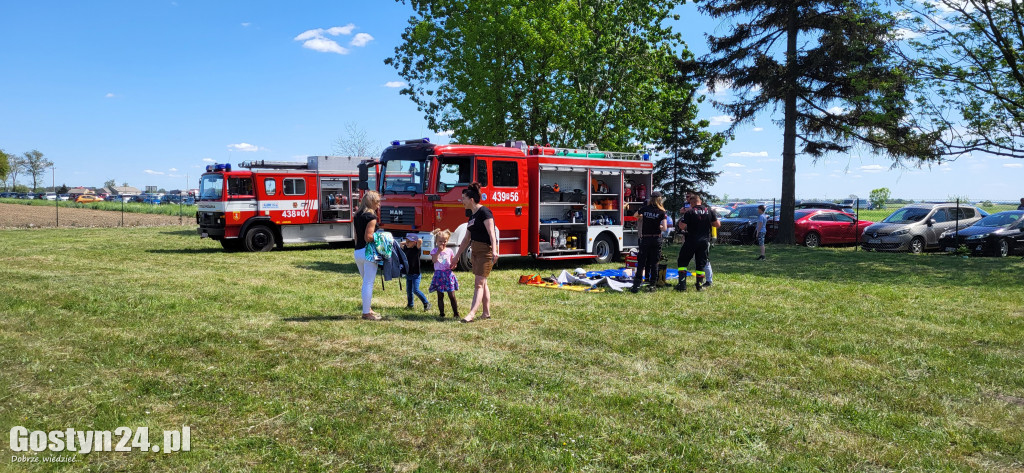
x=985, y=227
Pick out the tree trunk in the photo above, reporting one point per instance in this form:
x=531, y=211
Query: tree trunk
x=785, y=231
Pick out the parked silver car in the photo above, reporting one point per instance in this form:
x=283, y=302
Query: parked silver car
x=917, y=227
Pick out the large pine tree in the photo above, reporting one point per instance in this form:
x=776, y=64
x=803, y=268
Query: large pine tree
x=831, y=67
x=688, y=149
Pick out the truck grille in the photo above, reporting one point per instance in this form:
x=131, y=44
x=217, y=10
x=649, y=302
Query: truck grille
x=397, y=215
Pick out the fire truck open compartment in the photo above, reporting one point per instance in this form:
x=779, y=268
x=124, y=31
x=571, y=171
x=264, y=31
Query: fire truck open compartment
x=562, y=215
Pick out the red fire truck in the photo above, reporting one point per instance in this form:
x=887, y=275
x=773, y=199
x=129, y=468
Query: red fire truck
x=272, y=203
x=549, y=203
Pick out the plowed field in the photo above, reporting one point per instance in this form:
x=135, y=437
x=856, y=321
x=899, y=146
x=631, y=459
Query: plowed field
x=32, y=216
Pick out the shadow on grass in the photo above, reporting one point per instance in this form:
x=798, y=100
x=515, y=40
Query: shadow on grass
x=329, y=267
x=186, y=251
x=847, y=266
x=409, y=315
x=186, y=233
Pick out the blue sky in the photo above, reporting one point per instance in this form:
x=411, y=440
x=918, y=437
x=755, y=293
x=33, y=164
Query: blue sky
x=149, y=92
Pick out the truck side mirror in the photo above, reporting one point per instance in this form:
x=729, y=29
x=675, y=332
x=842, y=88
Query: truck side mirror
x=931, y=222
x=364, y=177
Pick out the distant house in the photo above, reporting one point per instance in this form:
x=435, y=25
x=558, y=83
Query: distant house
x=74, y=192
x=124, y=190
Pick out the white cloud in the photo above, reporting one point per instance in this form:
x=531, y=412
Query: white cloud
x=749, y=154
x=153, y=173
x=341, y=30
x=173, y=170
x=758, y=129
x=209, y=160
x=245, y=24
x=836, y=111
x=109, y=95
x=361, y=39
x=243, y=147
x=734, y=165
x=1013, y=165
x=394, y=84
x=324, y=45
x=904, y=33
x=446, y=133
x=316, y=40
x=721, y=120
x=872, y=168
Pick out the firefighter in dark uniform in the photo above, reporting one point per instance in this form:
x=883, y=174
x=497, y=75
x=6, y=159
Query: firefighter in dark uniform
x=653, y=223
x=696, y=223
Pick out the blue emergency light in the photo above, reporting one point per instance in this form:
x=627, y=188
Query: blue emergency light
x=226, y=167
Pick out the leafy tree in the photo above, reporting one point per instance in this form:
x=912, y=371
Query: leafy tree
x=36, y=165
x=879, y=197
x=5, y=165
x=564, y=72
x=110, y=183
x=63, y=189
x=831, y=67
x=970, y=55
x=355, y=142
x=689, y=149
x=17, y=166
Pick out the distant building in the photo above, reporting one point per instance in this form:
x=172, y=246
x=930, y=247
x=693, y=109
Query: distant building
x=74, y=192
x=124, y=190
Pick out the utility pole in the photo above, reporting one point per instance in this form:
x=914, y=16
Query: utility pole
x=56, y=200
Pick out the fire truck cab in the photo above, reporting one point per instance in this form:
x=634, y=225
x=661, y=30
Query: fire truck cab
x=549, y=203
x=272, y=203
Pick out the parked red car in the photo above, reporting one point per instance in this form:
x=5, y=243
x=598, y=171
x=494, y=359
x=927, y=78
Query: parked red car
x=815, y=227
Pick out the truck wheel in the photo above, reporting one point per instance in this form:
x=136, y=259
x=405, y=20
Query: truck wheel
x=259, y=238
x=604, y=249
x=231, y=245
x=466, y=260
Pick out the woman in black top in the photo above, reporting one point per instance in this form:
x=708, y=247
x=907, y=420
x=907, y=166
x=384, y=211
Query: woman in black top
x=482, y=239
x=366, y=223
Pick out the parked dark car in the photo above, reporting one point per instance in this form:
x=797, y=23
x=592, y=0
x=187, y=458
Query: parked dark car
x=739, y=226
x=818, y=205
x=999, y=234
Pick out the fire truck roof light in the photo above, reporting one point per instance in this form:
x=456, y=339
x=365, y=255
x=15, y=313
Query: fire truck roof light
x=226, y=167
x=396, y=143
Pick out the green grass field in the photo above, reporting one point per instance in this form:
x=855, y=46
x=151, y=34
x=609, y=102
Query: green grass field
x=134, y=207
x=816, y=360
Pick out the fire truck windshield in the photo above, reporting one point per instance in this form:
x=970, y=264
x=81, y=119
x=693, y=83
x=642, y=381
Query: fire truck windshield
x=211, y=187
x=400, y=176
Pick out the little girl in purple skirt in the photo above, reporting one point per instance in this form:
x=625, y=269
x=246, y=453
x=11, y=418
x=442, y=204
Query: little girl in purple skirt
x=444, y=279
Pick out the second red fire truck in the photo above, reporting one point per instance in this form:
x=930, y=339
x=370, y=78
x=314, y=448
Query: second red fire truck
x=270, y=203
x=549, y=203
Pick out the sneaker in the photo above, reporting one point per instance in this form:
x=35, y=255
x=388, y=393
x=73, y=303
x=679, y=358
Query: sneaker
x=707, y=284
x=372, y=316
x=426, y=306
x=409, y=307
x=759, y=258
x=634, y=289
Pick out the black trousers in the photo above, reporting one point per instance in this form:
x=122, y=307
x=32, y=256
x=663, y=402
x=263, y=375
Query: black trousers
x=697, y=250
x=648, y=254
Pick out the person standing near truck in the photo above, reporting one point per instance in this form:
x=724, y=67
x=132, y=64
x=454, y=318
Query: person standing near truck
x=653, y=223
x=696, y=223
